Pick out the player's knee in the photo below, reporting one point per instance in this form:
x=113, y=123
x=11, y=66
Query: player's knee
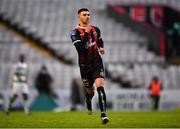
x=99, y=82
x=15, y=96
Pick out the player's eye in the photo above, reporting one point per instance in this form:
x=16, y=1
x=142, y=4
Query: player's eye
x=86, y=14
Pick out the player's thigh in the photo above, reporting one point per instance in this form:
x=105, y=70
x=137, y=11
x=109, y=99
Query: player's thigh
x=99, y=82
x=87, y=78
x=16, y=87
x=24, y=88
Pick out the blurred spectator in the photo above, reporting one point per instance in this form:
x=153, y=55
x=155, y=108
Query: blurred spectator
x=176, y=39
x=43, y=82
x=77, y=94
x=19, y=84
x=155, y=88
x=1, y=101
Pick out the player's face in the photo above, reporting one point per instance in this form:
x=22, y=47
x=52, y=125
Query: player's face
x=84, y=17
x=22, y=59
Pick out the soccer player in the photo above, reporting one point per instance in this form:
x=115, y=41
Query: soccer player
x=89, y=45
x=19, y=84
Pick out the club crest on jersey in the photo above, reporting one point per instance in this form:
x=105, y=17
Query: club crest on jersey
x=73, y=32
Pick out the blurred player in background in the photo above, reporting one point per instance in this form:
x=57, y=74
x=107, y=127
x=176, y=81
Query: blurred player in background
x=19, y=84
x=89, y=45
x=155, y=88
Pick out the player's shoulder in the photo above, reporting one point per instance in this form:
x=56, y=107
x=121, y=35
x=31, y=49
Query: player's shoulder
x=24, y=65
x=74, y=32
x=97, y=28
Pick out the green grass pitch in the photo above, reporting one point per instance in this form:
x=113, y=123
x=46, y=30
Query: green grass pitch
x=82, y=120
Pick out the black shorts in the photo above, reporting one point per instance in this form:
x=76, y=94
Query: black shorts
x=89, y=74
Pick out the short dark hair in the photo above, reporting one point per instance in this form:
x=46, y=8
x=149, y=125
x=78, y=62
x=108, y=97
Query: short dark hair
x=82, y=9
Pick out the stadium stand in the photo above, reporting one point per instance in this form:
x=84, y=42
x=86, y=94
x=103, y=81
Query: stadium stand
x=51, y=20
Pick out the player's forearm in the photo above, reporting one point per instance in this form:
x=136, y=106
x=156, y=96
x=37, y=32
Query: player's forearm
x=100, y=43
x=79, y=47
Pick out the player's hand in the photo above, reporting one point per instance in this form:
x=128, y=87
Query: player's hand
x=88, y=29
x=101, y=50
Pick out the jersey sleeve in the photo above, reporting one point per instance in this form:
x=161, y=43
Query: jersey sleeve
x=75, y=36
x=100, y=42
x=79, y=43
x=14, y=70
x=76, y=39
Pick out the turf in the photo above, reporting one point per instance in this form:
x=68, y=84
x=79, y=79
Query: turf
x=82, y=120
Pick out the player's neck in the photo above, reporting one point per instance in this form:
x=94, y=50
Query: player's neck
x=83, y=24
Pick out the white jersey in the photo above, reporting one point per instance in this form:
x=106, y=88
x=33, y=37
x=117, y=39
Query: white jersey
x=20, y=72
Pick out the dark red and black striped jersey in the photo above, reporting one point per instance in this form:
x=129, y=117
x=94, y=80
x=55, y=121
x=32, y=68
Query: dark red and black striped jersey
x=87, y=45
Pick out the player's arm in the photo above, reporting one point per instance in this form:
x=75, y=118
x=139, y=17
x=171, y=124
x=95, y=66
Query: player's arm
x=76, y=39
x=100, y=42
x=14, y=73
